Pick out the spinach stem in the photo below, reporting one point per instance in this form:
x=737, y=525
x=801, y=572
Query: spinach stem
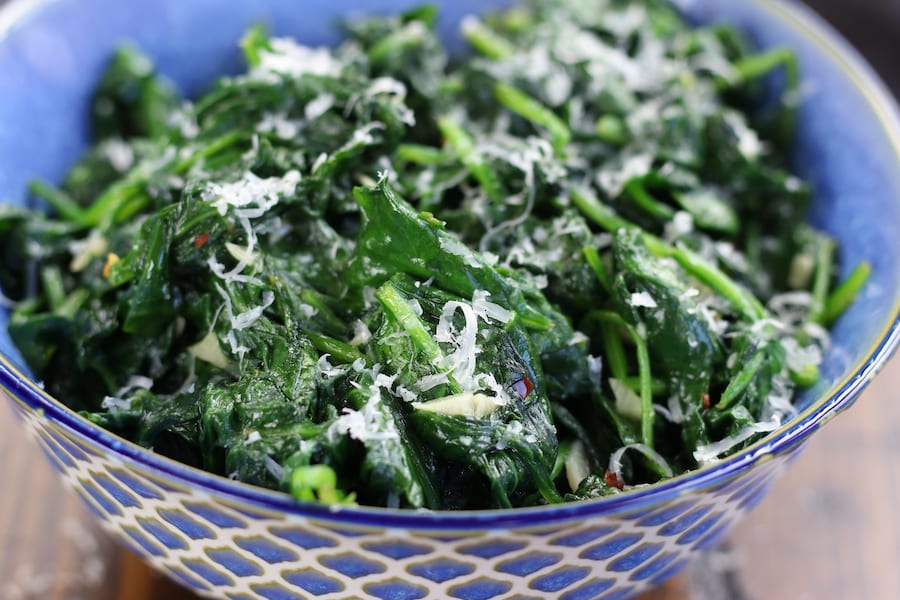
x=54, y=288
x=612, y=130
x=528, y=108
x=598, y=212
x=596, y=263
x=421, y=155
x=846, y=292
x=224, y=141
x=128, y=197
x=565, y=446
x=193, y=221
x=711, y=275
x=102, y=213
x=60, y=201
x=486, y=41
x=690, y=261
x=398, y=40
x=822, y=279
x=545, y=484
x=73, y=302
x=637, y=191
x=740, y=382
x=341, y=352
x=759, y=65
x=806, y=376
x=463, y=146
x=615, y=352
x=657, y=386
x=648, y=413
x=329, y=321
x=397, y=305
x=252, y=42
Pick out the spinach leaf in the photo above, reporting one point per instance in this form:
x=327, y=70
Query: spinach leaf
x=567, y=263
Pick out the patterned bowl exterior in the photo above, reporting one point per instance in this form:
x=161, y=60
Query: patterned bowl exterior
x=229, y=540
x=225, y=547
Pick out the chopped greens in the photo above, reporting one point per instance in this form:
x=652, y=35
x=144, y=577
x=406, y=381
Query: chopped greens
x=570, y=263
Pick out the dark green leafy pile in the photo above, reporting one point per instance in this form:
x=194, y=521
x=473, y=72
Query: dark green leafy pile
x=571, y=263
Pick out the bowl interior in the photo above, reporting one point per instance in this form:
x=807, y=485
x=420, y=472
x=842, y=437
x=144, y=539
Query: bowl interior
x=847, y=144
x=51, y=54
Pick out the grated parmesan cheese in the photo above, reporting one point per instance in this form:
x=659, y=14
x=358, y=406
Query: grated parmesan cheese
x=280, y=125
x=243, y=320
x=247, y=198
x=274, y=469
x=184, y=121
x=429, y=382
x=325, y=369
x=710, y=453
x=749, y=144
x=318, y=106
x=488, y=311
x=682, y=223
x=361, y=333
x=116, y=405
x=119, y=154
x=406, y=394
x=251, y=193
x=462, y=361
x=634, y=166
x=368, y=424
x=615, y=459
x=642, y=300
x=250, y=316
x=291, y=59
x=393, y=87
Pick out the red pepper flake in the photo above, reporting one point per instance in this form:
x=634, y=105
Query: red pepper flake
x=704, y=398
x=523, y=387
x=613, y=480
x=201, y=239
x=111, y=259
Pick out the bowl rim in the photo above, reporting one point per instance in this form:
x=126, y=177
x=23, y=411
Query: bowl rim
x=840, y=396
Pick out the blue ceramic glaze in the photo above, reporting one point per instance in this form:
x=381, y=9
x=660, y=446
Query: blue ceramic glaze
x=227, y=539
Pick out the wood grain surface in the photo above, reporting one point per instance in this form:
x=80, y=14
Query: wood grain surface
x=829, y=529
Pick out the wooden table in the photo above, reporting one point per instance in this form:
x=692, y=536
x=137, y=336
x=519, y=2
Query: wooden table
x=829, y=530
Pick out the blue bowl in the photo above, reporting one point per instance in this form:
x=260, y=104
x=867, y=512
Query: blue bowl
x=230, y=540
